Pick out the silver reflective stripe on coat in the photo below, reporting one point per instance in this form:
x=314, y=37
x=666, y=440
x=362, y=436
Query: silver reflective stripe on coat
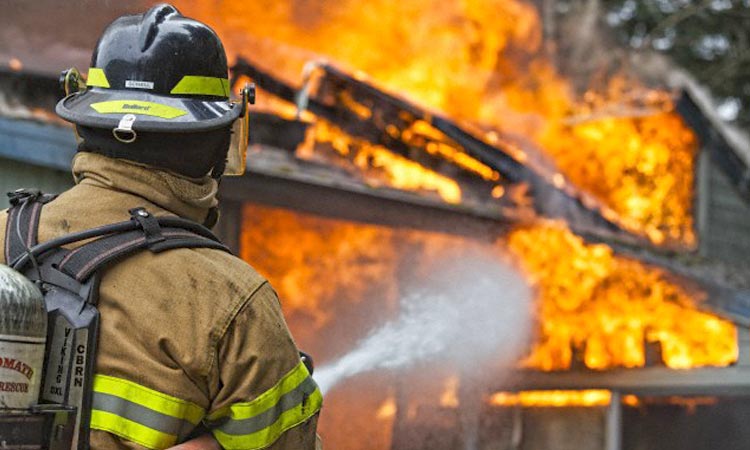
x=142, y=415
x=270, y=416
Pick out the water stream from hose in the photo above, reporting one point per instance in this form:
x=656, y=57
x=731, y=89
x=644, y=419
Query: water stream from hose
x=467, y=312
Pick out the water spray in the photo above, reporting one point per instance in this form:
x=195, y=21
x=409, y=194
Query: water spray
x=466, y=312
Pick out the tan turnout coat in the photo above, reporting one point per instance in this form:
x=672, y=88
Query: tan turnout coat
x=196, y=324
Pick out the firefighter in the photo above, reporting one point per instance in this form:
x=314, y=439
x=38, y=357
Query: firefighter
x=193, y=348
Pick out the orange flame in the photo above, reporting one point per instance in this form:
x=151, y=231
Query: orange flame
x=387, y=410
x=382, y=167
x=592, y=397
x=605, y=306
x=15, y=64
x=449, y=397
x=482, y=61
x=608, y=307
x=338, y=279
x=641, y=167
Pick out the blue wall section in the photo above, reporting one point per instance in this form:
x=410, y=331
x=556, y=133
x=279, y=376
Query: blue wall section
x=34, y=154
x=39, y=144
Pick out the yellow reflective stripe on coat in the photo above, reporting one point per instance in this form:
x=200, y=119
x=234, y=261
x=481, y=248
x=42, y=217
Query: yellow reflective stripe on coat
x=138, y=107
x=97, y=78
x=199, y=85
x=259, y=423
x=142, y=415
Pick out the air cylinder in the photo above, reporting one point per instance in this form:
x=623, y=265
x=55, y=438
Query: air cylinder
x=23, y=335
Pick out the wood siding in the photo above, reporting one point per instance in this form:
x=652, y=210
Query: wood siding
x=725, y=231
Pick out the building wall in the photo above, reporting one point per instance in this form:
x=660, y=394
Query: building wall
x=723, y=217
x=15, y=175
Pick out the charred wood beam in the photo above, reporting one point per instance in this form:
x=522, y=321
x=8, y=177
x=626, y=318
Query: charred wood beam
x=549, y=200
x=286, y=186
x=365, y=111
x=274, y=131
x=343, y=118
x=583, y=214
x=264, y=79
x=712, y=138
x=31, y=89
x=387, y=109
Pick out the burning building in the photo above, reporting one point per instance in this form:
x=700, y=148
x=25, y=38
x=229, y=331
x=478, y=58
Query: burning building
x=390, y=135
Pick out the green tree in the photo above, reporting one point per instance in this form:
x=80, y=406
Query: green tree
x=708, y=38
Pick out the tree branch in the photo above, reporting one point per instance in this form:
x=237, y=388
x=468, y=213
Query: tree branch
x=674, y=19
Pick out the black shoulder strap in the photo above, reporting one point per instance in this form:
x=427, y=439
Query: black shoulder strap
x=87, y=259
x=119, y=240
x=22, y=226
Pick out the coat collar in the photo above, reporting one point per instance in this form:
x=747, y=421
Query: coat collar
x=187, y=197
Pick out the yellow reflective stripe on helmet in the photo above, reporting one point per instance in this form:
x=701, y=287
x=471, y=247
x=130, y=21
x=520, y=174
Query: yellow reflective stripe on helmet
x=97, y=78
x=258, y=424
x=138, y=107
x=199, y=85
x=140, y=414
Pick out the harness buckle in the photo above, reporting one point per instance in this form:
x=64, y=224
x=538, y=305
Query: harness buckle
x=21, y=195
x=149, y=224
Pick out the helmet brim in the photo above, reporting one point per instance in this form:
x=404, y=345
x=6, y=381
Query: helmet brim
x=104, y=108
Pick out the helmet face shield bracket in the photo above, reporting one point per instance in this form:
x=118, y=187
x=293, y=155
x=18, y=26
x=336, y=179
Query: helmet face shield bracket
x=71, y=82
x=237, y=155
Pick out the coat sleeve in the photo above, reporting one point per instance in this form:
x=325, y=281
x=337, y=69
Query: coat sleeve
x=266, y=397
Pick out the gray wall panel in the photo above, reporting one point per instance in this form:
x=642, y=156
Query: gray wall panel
x=726, y=232
x=14, y=175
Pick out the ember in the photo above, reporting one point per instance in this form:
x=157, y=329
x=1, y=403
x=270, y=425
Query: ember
x=552, y=398
x=15, y=64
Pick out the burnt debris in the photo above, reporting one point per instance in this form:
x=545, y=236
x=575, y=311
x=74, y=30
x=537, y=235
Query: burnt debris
x=361, y=109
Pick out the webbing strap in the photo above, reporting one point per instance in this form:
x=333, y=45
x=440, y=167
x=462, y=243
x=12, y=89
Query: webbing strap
x=21, y=231
x=82, y=262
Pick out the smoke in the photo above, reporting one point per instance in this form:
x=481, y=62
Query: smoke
x=466, y=312
x=48, y=36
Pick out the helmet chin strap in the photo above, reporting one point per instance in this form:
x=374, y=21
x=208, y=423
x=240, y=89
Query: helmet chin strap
x=216, y=173
x=218, y=170
x=212, y=217
x=221, y=161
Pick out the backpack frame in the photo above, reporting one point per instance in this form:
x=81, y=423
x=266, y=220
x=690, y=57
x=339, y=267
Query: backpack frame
x=69, y=280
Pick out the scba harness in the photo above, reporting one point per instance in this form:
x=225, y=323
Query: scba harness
x=69, y=280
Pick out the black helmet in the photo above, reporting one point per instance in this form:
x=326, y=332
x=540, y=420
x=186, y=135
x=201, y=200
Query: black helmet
x=165, y=72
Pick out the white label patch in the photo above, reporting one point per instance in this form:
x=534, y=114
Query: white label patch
x=60, y=347
x=20, y=371
x=139, y=84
